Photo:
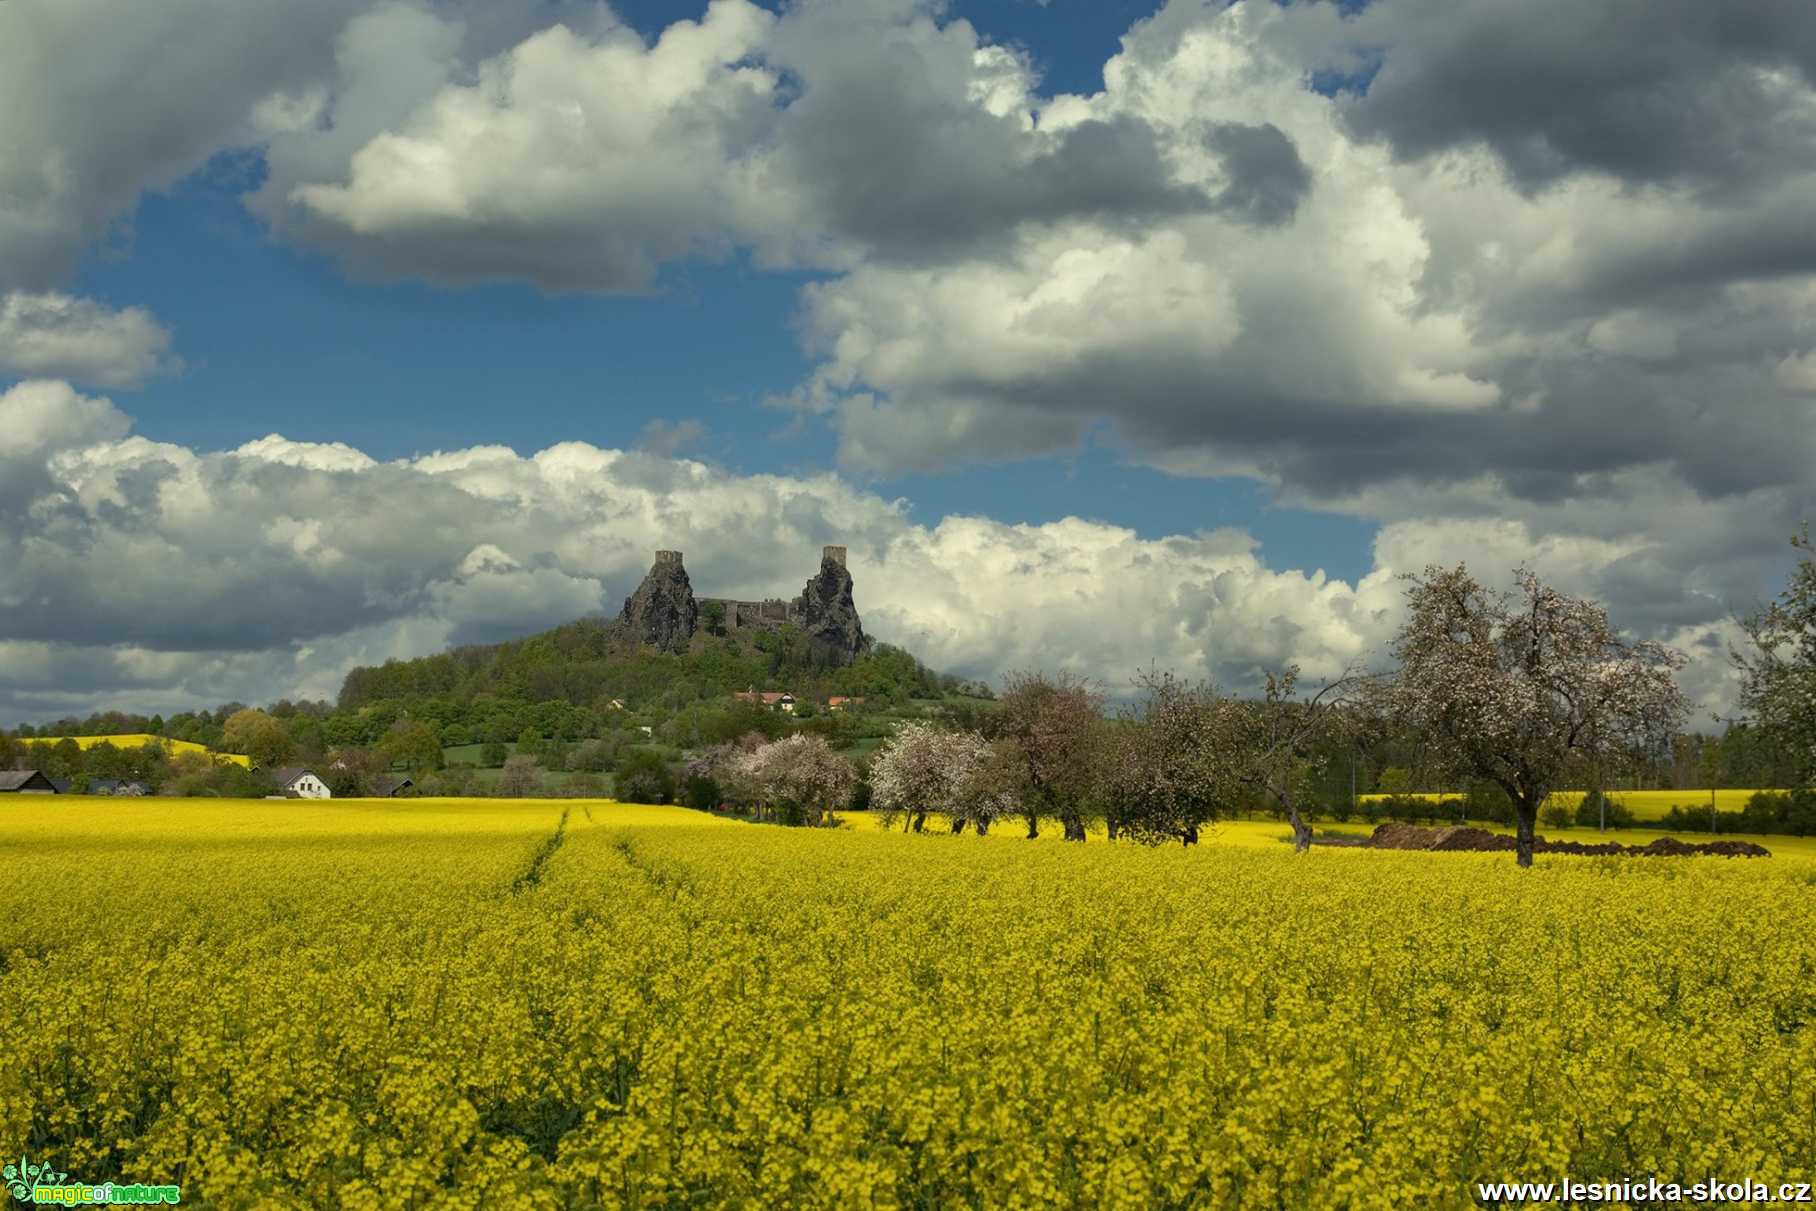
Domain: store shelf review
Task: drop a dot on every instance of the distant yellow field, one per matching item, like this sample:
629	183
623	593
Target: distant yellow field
459	1002
1645	805
140	740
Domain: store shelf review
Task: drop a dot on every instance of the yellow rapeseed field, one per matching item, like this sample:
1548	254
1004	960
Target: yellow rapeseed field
140	740
446	1003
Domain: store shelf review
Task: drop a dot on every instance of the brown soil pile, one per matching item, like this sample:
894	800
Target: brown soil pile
1671	847
1402	836
1462	839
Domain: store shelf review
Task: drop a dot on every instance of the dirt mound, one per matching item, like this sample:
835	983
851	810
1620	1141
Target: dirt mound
1585	848
1463	839
1402	836
1673	848
1459	838
1736	849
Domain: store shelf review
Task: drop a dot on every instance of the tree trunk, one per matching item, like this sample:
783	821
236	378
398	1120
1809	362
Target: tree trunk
1033	828
1189	836
1527	816
920	821
1113	827
1075	828
983	826
958	825
1302	832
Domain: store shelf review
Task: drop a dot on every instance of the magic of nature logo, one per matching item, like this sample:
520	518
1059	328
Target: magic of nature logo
37	1182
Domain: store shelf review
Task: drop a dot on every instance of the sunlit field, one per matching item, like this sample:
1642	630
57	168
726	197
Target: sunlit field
140	740
575	1003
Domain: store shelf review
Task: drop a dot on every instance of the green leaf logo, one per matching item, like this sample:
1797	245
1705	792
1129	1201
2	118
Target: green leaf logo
25	1177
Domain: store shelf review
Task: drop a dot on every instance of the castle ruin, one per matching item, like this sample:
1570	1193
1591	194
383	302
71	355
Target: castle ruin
664	613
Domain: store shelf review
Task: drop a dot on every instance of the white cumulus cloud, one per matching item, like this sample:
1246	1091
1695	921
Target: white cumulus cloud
57	336
141	572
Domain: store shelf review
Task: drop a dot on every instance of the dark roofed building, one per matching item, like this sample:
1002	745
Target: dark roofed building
116	786
25	782
389	786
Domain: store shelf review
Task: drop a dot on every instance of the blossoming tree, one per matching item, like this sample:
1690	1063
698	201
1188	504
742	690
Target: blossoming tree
923	769
1778	686
1512	686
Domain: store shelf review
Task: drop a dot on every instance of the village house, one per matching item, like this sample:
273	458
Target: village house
295	782
120	787
783	702
25	782
839	702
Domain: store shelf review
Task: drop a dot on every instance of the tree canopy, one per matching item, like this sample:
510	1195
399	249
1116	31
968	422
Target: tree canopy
1510	688
1778	686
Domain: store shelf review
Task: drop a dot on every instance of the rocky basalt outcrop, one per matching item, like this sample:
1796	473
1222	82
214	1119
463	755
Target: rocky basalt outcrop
662	612
826	612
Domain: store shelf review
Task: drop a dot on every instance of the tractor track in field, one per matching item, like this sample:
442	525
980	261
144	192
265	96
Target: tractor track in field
531	875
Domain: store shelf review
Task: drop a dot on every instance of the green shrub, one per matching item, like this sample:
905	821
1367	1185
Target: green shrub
1410	809
1692	818
1557	815
1589	813
1489	804
644	776
701	791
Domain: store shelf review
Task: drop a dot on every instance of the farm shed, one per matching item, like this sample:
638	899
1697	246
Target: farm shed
25	782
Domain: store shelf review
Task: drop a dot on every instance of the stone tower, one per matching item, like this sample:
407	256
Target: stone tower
662	611
826	612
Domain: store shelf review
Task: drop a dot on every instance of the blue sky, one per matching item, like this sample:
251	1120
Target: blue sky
276	338
341	331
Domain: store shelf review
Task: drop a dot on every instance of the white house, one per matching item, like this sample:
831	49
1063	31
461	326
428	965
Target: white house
774	701
295	782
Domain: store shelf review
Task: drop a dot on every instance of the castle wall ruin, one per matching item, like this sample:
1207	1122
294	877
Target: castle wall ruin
768	614
664	612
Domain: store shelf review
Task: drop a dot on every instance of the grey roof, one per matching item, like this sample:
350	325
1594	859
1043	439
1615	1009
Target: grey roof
18	779
386	785
285	775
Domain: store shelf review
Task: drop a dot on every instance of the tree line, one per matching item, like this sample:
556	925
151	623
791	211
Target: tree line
1521	693
1505	697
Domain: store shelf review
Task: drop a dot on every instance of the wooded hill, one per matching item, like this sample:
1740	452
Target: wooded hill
590	664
